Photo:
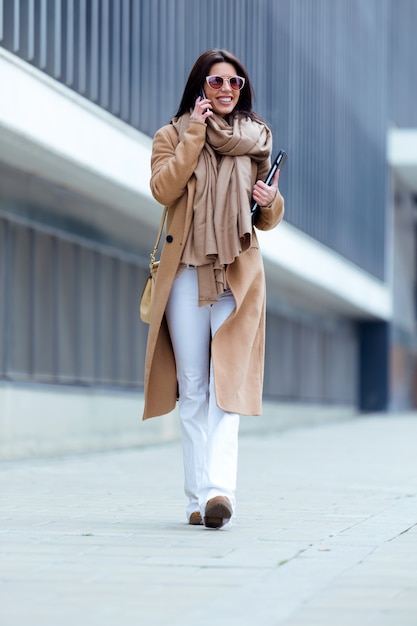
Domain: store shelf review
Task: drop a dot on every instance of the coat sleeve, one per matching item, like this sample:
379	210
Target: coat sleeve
173	162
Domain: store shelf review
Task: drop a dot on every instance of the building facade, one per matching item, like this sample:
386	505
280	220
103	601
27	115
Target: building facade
86	83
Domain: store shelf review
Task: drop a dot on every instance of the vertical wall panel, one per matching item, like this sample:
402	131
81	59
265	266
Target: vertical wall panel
57	26
7	18
19	303
135	51
4	274
44	310
81	47
122	326
125	60
137	333
43	36
68	332
68	312
115	58
94	50
104	54
69	44
87	319
31	30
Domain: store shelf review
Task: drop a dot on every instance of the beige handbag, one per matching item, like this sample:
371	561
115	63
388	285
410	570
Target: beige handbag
146	301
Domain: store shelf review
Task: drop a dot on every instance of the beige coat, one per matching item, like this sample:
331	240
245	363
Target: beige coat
238	345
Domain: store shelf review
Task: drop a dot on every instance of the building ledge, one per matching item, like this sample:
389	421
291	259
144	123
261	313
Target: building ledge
300	268
48	130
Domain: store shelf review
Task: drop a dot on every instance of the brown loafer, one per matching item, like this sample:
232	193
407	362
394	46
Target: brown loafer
218	512
195	519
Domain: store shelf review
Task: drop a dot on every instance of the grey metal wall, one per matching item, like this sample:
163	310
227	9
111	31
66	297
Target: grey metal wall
310	359
328	74
68	308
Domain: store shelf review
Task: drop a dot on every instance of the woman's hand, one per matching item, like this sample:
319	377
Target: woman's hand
202	110
265	194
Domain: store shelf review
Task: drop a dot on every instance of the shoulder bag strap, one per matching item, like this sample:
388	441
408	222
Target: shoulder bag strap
158	237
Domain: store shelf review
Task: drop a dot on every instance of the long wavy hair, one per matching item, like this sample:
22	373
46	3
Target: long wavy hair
197	80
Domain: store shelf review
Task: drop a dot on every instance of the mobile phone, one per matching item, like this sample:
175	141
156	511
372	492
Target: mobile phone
203	95
277	164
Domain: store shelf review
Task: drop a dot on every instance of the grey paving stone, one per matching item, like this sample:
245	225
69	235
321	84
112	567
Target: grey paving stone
325	535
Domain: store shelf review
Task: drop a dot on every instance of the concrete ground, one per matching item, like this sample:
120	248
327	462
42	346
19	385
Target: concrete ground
325	535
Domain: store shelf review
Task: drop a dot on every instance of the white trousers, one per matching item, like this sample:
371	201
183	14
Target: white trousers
210	435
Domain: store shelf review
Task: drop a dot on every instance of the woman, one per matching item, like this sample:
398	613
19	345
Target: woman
206	337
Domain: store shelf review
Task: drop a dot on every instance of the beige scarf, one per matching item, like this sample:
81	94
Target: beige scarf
222	228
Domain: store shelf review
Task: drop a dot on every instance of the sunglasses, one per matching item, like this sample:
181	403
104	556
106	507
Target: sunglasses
217	82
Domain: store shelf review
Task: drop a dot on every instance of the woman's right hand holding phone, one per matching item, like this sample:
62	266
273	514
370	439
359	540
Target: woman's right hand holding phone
201	110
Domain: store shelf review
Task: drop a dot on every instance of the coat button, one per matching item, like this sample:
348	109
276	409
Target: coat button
169	238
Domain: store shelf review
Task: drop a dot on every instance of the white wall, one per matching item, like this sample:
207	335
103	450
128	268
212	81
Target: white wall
38	420
42	420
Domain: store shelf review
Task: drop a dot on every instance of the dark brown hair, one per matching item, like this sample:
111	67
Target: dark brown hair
197	78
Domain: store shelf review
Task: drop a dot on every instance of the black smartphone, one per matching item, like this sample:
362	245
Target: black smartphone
203	96
277	164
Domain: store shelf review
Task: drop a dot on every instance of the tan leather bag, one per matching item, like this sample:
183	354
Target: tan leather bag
148	293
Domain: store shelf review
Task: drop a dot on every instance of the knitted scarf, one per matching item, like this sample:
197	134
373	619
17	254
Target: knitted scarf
221	227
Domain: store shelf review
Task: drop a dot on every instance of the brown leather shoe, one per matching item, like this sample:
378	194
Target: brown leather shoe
218	512
195	519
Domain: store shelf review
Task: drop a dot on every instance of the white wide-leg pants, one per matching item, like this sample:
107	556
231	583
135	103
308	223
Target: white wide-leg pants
210	435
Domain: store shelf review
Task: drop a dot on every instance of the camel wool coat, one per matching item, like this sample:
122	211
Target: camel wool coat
238	345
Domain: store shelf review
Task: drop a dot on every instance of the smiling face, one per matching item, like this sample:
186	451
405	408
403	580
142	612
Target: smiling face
225	99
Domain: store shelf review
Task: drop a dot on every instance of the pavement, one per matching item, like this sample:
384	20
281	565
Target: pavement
325	534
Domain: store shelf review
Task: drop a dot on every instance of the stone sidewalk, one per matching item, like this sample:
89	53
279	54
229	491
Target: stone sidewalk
325	535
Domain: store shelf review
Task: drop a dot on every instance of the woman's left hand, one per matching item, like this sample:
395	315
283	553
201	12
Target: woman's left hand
265	194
